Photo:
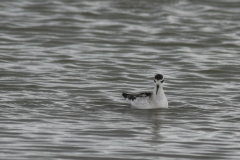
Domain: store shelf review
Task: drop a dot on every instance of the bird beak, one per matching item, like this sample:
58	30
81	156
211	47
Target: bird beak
157	89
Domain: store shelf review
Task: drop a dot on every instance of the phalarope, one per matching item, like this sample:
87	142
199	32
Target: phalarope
149	100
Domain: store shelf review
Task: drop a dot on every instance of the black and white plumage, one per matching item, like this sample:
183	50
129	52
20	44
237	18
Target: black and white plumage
149	100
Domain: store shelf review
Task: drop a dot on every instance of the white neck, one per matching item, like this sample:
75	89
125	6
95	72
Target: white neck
160	98
160	92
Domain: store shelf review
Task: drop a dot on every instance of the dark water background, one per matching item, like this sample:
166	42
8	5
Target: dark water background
64	64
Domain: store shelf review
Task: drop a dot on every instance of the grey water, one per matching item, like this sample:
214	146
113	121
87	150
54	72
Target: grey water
65	63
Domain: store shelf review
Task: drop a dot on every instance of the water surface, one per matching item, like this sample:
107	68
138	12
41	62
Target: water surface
64	65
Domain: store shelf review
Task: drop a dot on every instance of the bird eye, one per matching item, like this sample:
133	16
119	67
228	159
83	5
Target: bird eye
162	81
154	80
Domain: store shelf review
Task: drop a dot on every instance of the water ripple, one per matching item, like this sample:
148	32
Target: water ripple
64	65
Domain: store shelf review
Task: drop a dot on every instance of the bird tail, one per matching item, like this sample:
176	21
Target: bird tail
125	95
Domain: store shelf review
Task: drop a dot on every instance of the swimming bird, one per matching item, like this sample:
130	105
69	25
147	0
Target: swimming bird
149	100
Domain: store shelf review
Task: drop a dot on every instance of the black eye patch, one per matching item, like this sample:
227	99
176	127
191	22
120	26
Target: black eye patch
162	81
154	80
